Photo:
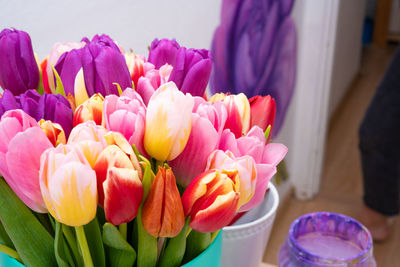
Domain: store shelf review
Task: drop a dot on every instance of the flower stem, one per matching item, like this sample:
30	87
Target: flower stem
80	233
10	252
123	229
71	242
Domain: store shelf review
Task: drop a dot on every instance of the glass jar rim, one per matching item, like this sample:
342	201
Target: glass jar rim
309	256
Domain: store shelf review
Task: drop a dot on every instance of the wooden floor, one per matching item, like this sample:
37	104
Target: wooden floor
341	189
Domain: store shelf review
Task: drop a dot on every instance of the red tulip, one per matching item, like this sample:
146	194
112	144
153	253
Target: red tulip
263	110
211	200
162	213
118	183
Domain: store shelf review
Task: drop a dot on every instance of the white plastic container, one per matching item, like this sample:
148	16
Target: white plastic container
245	241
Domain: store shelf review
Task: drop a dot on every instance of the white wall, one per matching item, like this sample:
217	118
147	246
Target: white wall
347	49
133	23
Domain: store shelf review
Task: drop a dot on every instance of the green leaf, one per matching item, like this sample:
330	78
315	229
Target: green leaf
267	133
59	85
95	242
119	252
147	245
148	178
4	238
173	254
33	243
196	243
63	256
40	88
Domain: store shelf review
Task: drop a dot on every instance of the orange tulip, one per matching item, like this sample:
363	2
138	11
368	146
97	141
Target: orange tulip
162	213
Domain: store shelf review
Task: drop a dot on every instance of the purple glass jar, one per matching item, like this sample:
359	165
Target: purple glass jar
327	239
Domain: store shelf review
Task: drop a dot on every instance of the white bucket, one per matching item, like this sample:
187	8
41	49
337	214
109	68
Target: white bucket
245	241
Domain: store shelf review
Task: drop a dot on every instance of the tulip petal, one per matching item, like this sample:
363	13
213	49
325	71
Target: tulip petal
24	166
123	194
274	153
217	215
73	194
193	159
264	175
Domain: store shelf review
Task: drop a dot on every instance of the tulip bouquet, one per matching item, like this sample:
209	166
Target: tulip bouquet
112	159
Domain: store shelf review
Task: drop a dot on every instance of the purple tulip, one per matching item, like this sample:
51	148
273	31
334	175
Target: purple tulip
55	108
254	51
191	67
18	68
163	51
102	63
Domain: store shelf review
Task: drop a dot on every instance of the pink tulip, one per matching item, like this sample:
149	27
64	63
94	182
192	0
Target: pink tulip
152	80
208	121
266	155
246	168
88	131
21	144
126	114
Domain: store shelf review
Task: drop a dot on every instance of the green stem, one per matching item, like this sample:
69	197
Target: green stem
69	236
80	233
123	229
10	252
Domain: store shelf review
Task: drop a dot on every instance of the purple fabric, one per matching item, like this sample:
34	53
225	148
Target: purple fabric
191	67
18	68
55	108
95	58
254	51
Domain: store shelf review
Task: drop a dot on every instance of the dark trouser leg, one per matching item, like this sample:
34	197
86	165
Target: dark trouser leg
380	144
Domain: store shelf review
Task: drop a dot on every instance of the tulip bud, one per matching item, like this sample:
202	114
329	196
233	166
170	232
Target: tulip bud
162	213
245	167
263	110
19	70
53	131
22	143
211	200
54	55
238	108
118	184
135	66
68	185
168	122
91	109
126	114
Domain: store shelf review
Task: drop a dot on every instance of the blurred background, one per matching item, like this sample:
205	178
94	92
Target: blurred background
343	48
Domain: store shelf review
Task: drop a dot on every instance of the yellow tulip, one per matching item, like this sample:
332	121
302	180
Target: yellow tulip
68	185
168	122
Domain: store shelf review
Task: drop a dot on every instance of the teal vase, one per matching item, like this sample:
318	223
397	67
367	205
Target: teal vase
211	257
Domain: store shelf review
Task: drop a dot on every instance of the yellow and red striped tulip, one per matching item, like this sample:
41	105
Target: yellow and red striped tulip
238	108
212	199
68	185
168	122
162	213
53	131
245	166
91	109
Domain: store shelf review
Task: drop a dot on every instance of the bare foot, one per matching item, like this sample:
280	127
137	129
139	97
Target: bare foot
377	223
